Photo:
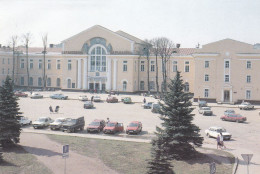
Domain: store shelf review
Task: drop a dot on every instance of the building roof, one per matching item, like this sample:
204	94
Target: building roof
130	37
185	51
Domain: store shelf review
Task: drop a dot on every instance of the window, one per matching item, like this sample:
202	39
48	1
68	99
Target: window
58	82
142	66
187	66
175	66
206	64
206	77
186	87
31	81
31	64
49	64
98	59
48	81
248	64
227	64
8	72
3	71
248	79
58	64
3	61
40	64
124	86
125	66
206	93
22	64
226	78
39	81
151	85
8	61
22	81
69	65
248	94
152	66
69	83
142	85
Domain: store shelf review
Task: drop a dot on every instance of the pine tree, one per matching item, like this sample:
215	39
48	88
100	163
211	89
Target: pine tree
9	110
179	134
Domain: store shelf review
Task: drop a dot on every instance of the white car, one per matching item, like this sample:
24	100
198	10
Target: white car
97	98
36	96
24	120
83	98
214	131
245	105
57	123
205	111
42	122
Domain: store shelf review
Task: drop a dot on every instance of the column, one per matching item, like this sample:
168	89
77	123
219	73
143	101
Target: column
100	85
115	75
85	84
79	74
108	84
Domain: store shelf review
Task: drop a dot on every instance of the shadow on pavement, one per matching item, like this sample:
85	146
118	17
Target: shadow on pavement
41	151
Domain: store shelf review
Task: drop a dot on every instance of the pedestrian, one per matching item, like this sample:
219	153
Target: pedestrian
57	109
218	142
222	140
144	100
108	120
92	98
51	110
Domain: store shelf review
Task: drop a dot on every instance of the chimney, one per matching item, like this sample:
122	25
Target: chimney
51	45
178	45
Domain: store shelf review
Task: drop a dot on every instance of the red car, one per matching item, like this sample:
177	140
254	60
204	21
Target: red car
113	127
20	94
112	100
233	117
134	127
96	126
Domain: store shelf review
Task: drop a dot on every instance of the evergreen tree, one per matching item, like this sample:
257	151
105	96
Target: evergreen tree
9	110
179	134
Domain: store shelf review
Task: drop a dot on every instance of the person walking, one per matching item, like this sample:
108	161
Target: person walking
144	100
51	110
57	109
218	142
222	140
92	98
108	120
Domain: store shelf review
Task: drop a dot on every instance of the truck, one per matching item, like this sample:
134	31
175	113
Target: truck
72	125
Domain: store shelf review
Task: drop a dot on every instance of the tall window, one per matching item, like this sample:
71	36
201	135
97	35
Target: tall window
31	81
124	86
8	61
69	64
152	66
186	87
248	64
142	85
151	85
142	66
248	79
248	94
227	64
98	59
39	81
206	64
49	64
3	70
48	81
58	82
40	64
22	81
124	65
22	64
69	83
187	66
31	64
8	72
206	77
58	64
175	66
226	78
3	61
206	93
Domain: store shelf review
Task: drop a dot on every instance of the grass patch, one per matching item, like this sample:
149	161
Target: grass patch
17	160
131	157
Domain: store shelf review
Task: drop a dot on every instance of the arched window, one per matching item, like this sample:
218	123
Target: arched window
69	83
58	82
186	87
124	86
31	81
39	81
98	59
48	81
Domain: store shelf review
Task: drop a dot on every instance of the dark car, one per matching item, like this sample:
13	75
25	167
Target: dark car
148	105
112	100
233	117
134	127
88	105
72	125
202	103
96	126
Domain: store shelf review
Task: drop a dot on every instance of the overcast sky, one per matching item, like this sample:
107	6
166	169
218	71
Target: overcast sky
183	21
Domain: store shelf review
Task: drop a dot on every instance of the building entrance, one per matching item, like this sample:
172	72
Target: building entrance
226	96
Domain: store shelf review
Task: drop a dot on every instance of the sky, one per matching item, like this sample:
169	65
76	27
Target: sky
187	22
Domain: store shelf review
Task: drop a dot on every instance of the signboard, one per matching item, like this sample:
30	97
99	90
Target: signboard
65	151
247	158
212	167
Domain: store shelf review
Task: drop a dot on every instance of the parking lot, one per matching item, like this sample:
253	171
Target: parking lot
245	136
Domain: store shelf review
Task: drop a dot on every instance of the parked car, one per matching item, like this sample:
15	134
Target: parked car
24	120
88	105
156	108
203	103
97	98
233	117
134	127
205	111
147	105
127	100
83	98
42	122
96	126
214	131
57	123
229	111
113	127
20	94
122	99
245	106
59	96
72	125
112	99
36	96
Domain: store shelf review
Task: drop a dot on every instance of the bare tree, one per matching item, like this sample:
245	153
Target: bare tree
45	42
14	44
26	39
155	51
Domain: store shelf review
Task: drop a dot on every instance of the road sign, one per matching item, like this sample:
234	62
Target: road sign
65	151
247	158
212	167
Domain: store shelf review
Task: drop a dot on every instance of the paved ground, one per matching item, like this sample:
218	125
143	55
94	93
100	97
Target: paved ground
245	137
